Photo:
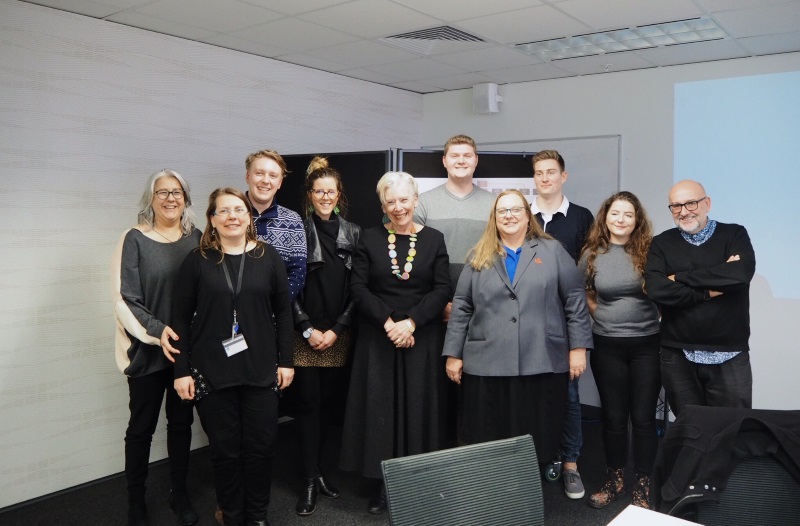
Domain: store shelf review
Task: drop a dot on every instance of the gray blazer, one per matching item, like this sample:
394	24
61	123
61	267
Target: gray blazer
523	328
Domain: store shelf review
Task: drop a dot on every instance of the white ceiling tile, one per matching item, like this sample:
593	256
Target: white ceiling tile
458	81
527	73
416	87
613	14
526	25
694	52
222	16
362	53
150	23
312	62
82	7
597	63
783	18
769	44
492	58
247	46
420	68
371	18
461	9
730	5
371	76
294	7
294	34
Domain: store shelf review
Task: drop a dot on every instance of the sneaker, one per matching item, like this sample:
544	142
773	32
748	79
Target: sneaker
573	485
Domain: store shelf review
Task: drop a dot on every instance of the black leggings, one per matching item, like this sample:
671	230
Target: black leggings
628	377
314	389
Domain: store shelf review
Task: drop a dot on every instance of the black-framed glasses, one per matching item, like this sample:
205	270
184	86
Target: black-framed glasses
319	194
164	194
239	211
690	206
515	211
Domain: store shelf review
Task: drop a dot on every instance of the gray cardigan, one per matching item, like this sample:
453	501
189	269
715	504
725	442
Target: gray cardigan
523	328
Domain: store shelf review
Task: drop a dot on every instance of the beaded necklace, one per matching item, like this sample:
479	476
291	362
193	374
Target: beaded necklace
412	251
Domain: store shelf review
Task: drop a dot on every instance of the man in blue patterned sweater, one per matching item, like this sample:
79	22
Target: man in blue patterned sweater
276	225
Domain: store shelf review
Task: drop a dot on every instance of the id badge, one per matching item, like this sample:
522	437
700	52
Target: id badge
234	345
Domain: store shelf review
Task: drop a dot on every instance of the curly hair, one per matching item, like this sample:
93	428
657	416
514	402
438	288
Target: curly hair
599	238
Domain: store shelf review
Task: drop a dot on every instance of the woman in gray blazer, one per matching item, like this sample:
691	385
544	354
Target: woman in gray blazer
518	330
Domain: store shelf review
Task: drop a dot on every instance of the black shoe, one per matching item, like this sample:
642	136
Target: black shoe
180	505
326	489
378	502
137	514
307	500
265	522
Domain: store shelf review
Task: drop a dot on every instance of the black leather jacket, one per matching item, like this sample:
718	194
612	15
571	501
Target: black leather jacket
346	243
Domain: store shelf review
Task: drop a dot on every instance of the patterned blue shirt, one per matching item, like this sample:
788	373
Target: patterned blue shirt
697	355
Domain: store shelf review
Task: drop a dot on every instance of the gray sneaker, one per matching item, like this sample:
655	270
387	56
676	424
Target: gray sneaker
573	485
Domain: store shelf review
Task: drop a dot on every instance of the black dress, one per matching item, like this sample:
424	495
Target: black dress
394	404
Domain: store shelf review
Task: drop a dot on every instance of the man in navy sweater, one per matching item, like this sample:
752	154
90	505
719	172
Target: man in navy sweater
568	223
699	273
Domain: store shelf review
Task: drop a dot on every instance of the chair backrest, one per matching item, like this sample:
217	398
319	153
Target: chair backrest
759	492
493	483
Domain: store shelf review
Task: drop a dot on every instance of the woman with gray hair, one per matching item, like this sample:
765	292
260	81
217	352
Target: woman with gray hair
145	264
400	283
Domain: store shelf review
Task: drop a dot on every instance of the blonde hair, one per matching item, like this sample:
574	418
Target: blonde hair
490	247
395	179
460	139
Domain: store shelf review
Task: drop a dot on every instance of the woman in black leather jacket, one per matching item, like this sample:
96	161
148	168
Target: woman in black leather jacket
322	316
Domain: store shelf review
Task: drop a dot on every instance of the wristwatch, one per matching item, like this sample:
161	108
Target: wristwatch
307	333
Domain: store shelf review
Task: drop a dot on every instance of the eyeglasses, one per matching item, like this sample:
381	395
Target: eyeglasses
239	210
690	206
516	211
164	194
319	194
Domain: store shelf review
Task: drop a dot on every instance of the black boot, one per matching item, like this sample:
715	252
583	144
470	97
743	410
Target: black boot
180	505
137	511
326	489
378	502
307	500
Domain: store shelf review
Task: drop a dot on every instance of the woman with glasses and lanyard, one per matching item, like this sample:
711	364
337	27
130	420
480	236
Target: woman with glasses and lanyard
145	264
233	320
323	314
518	330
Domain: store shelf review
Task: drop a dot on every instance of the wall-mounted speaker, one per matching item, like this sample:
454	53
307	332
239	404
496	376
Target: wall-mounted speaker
485	98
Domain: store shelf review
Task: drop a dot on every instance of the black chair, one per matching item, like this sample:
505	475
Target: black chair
493	483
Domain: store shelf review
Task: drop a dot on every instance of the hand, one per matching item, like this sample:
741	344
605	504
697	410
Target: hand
407	344
285	377
714	294
734	257
166	346
577	362
185	387
315	339
454	368
446	312
327	340
401	332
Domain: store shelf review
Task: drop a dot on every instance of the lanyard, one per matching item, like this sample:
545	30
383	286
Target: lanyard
238	287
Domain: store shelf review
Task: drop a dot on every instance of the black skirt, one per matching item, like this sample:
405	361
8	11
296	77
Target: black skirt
498	407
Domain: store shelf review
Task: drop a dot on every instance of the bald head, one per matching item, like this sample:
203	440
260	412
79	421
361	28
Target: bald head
689	205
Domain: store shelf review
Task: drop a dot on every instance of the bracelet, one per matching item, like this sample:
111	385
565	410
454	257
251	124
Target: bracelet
410	326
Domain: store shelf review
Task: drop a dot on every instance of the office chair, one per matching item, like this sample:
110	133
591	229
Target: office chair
493	483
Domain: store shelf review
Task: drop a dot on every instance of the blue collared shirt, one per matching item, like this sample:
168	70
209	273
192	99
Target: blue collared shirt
512	259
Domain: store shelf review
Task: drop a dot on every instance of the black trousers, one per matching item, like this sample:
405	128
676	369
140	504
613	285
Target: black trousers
146	395
242	424
314	388
628	378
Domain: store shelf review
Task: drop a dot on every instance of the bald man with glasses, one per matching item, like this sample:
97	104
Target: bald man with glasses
699	274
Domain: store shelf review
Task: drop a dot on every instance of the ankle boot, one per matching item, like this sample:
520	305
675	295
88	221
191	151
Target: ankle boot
613	488
326	489
641	492
379	502
137	511
307	500
180	505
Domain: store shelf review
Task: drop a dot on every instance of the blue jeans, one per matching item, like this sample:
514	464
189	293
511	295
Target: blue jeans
572	435
728	384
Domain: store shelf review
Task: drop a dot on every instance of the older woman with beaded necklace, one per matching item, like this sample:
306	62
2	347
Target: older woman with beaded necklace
400	283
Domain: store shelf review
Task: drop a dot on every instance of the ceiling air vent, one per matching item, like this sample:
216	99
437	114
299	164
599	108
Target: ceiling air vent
435	40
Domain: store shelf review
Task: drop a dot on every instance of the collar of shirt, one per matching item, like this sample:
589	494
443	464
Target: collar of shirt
701	237
512	258
548	217
269	213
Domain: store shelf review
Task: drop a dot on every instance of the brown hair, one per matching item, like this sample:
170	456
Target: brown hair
549	154
210	240
269	154
319	168
460	139
599	238
489	247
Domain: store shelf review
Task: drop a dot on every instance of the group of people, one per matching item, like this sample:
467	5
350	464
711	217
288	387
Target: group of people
466	317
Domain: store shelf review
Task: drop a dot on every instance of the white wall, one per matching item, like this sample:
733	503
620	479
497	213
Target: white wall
638	105
88	110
